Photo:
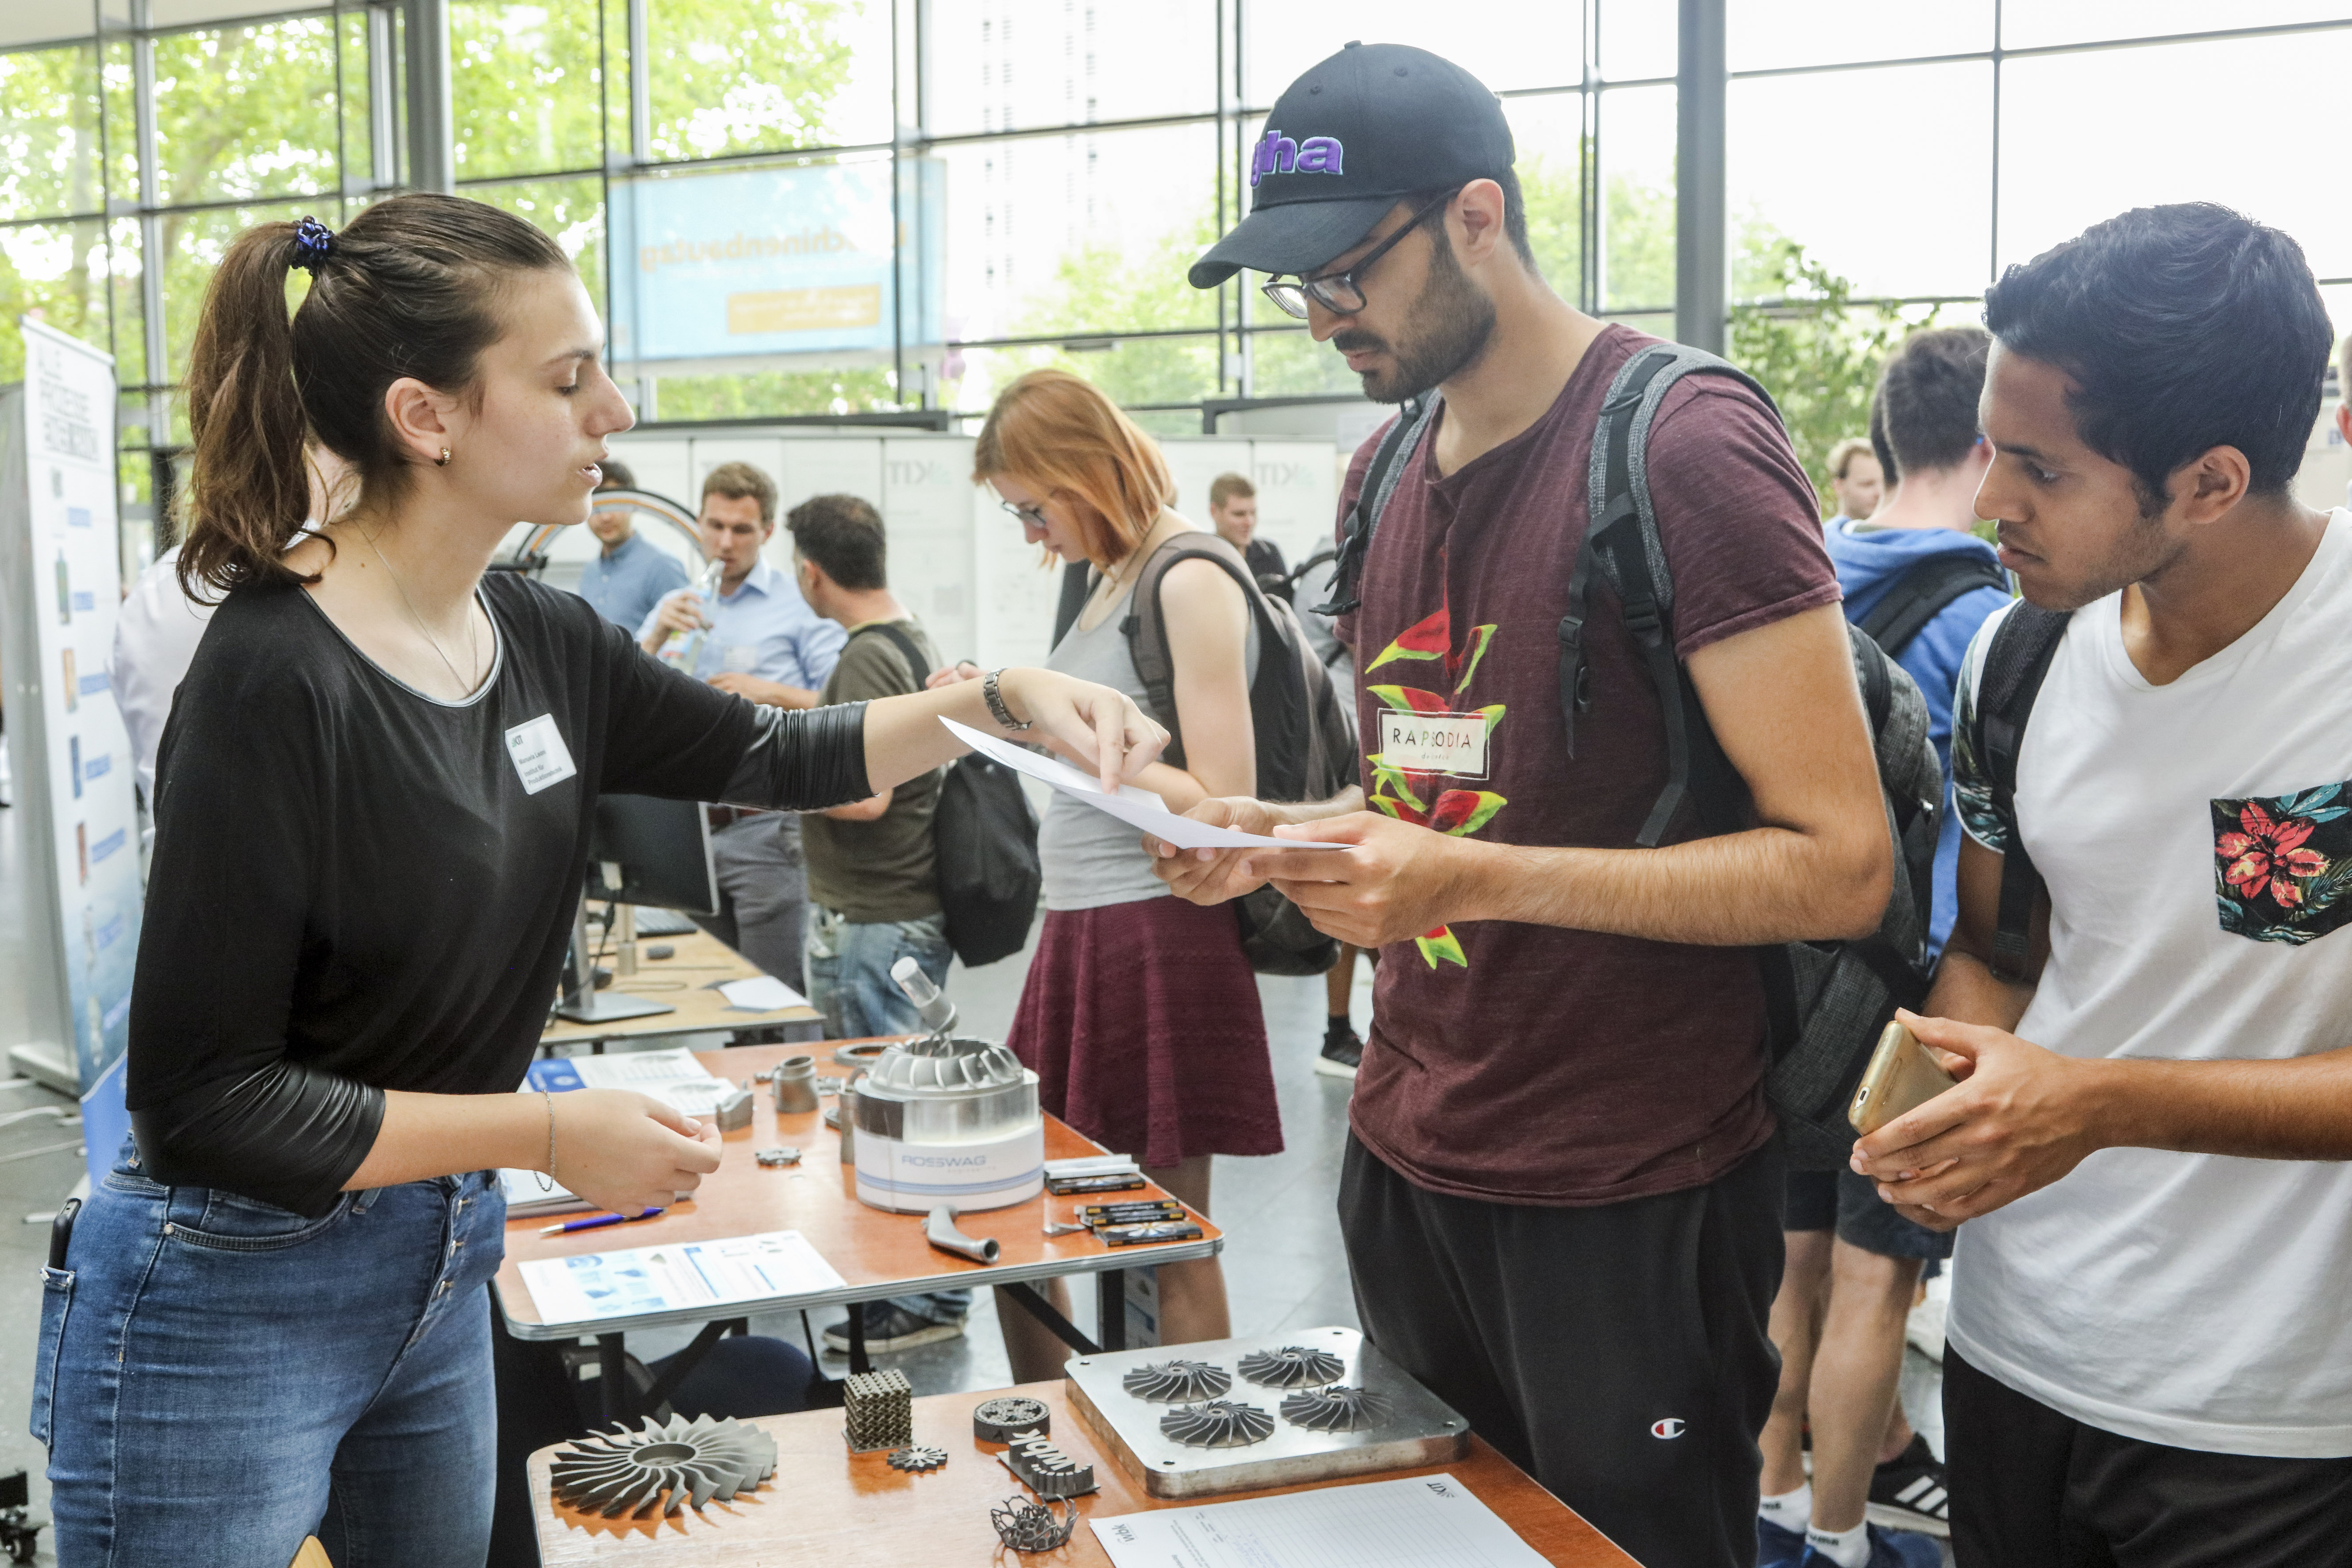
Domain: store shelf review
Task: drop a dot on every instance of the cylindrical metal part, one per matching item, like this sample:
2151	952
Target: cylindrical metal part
795	1082
940	1231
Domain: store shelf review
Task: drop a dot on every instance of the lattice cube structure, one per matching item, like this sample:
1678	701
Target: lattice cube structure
880	1410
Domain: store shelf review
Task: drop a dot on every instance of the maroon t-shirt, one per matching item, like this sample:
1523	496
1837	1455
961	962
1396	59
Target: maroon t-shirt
1526	1063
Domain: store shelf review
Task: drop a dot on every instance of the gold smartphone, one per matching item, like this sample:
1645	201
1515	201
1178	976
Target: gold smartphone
1901	1076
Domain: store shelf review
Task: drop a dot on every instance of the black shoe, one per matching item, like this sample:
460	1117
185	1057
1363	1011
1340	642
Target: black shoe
1343	1053
889	1328
1907	1492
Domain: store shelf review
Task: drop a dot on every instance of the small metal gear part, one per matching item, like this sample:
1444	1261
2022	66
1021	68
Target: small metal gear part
1001	1419
918	1458
783	1154
1292	1366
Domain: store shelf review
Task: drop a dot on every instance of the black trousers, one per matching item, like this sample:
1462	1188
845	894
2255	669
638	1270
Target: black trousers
2034	1489
1619	1354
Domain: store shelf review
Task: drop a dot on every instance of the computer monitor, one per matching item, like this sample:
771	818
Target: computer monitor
648	851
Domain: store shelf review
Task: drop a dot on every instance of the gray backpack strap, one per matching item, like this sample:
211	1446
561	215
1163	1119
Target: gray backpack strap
1621	537
1387	468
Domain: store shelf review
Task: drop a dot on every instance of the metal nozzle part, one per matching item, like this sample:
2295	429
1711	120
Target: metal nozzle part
795	1086
940	1231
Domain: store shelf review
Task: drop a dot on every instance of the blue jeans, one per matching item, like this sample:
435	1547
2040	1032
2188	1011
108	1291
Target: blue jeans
217	1378
849	982
849	970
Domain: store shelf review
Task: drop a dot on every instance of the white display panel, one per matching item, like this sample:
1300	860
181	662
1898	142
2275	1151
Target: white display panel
926	505
1297	494
59	539
1195	465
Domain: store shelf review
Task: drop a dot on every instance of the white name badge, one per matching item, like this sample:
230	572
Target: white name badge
540	757
1452	743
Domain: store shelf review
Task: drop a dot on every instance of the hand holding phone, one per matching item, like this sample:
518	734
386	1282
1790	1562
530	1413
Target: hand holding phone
1902	1076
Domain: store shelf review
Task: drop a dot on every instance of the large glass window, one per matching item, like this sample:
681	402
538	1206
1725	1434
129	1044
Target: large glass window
1002	64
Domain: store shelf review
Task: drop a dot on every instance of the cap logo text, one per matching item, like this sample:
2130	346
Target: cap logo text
1278	154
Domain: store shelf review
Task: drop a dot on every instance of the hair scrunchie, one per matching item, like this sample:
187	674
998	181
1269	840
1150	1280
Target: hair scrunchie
314	243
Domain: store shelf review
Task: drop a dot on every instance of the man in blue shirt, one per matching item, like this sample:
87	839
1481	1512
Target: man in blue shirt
762	641
628	579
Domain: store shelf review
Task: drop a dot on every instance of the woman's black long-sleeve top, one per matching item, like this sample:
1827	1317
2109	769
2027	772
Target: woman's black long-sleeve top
359	888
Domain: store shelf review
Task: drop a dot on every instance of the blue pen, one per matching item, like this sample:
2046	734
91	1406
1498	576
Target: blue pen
595	1221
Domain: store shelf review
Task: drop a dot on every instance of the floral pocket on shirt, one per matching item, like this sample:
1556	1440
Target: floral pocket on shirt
2282	865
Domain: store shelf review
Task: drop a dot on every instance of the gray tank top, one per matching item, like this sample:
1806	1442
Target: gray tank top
1090	858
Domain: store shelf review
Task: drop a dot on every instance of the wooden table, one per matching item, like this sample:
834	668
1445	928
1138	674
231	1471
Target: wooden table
683	981
825	1505
877	1255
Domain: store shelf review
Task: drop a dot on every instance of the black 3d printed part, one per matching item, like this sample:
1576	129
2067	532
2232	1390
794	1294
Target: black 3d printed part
1292	1366
1219	1424
1045	1469
918	1458
1337	1408
689	1462
1001	1419
1177	1382
1027	1526
880	1411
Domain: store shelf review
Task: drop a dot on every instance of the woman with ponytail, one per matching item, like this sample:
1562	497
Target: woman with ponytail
373	809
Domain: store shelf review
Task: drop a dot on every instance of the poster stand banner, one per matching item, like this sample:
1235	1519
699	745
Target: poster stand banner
60	589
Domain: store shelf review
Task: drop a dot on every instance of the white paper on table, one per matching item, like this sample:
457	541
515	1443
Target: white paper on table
1136	807
674	1076
595	1286
761	993
1421	1522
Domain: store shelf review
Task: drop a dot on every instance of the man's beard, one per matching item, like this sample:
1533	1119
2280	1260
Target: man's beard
1456	321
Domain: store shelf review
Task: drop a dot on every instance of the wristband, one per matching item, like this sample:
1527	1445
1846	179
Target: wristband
995	700
547	1181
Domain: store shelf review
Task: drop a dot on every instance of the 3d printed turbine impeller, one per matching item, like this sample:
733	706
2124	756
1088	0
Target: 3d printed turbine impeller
1177	1382
618	1472
1335	1409
1219	1424
1292	1366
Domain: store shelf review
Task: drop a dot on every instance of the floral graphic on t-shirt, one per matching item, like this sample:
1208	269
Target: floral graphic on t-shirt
2280	868
1416	798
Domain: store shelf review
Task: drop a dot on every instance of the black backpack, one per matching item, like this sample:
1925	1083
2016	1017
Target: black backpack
984	847
1825	1002
2015	663
1305	735
1925	590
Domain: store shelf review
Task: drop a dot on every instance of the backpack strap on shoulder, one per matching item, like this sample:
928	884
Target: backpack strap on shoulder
907	646
1145	628
1387	468
2015	664
1924	592
1621	538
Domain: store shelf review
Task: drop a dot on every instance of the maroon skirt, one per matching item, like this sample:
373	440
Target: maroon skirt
1142	1024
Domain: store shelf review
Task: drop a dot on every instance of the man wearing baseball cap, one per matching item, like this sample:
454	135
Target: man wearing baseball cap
1561	1200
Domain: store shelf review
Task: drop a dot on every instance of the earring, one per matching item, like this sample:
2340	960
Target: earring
443	460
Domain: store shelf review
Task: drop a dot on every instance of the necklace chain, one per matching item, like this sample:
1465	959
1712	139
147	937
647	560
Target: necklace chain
473	644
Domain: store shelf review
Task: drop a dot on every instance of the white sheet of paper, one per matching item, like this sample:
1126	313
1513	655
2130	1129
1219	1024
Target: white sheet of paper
1421	1522
761	993
595	1286
1136	807
672	1075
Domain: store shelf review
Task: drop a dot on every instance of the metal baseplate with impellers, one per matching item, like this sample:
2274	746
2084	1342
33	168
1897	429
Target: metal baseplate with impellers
1027	1526
1009	1415
1044	1469
918	1458
688	1462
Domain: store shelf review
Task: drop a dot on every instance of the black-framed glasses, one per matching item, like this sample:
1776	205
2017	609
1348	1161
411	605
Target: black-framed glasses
1034	516
1342	293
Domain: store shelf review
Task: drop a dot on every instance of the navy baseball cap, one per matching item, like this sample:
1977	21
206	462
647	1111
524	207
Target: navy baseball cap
1372	124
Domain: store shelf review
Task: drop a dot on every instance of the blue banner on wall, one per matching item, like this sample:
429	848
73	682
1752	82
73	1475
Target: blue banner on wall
776	262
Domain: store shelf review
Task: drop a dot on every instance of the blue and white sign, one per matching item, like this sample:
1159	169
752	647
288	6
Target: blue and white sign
778	263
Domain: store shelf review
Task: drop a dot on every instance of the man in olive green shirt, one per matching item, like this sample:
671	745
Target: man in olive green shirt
873	899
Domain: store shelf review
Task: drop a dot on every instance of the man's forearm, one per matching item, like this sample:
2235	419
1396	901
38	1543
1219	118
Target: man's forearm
1766	885
2295	1110
1965	989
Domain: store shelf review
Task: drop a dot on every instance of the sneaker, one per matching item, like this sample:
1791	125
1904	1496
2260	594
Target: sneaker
1888	1549
1343	1053
1776	1547
889	1328
1907	1492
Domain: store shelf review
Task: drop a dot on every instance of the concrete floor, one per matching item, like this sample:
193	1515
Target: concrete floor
1284	1266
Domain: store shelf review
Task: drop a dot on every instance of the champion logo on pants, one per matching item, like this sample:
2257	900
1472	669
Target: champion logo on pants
1672	1427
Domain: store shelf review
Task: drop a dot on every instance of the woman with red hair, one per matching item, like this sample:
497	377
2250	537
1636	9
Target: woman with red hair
1139	1015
